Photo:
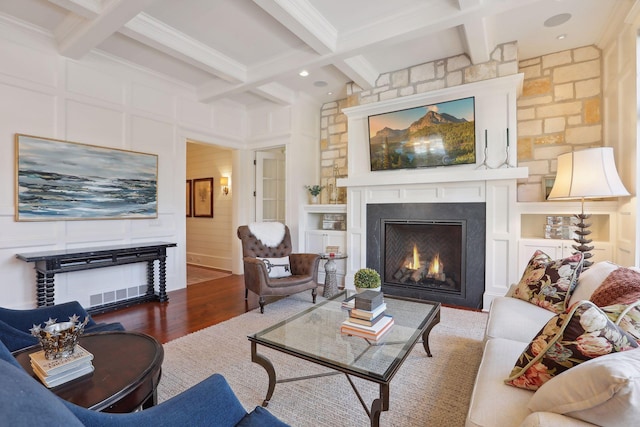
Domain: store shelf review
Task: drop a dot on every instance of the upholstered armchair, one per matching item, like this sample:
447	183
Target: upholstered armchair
15	324
272	270
212	402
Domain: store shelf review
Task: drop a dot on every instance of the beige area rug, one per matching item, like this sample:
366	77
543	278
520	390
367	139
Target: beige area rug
200	274
426	391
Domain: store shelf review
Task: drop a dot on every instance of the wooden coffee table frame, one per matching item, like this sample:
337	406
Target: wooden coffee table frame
126	376
381	403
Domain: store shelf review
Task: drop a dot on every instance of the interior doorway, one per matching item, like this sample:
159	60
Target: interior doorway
207	236
271	185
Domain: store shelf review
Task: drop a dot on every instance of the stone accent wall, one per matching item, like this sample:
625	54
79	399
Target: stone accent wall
560	108
421	78
559	111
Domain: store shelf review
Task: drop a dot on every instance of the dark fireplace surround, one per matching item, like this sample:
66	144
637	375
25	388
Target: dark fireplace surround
469	222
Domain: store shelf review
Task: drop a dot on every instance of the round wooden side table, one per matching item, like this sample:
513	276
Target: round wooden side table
127	371
330	278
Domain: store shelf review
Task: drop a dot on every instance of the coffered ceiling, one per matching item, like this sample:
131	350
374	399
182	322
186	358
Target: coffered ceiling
251	51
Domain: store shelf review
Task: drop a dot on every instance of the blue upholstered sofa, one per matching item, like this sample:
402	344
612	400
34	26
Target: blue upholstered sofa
26	402
15	324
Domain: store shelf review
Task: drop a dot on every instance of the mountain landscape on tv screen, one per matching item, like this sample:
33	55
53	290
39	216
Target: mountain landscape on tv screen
435	139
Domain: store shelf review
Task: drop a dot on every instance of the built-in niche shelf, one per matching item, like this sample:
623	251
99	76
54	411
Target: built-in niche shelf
321	227
533	218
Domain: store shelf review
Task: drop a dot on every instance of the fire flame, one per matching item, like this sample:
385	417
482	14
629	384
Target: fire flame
415	264
436	266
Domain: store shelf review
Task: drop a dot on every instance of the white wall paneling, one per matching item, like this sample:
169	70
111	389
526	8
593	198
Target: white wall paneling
103	102
620	106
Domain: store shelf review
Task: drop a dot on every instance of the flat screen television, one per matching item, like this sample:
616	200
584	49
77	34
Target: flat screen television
441	134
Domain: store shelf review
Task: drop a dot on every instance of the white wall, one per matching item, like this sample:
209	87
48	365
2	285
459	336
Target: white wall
297	128
620	99
102	102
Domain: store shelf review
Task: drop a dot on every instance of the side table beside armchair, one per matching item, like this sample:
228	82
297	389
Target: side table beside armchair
26	402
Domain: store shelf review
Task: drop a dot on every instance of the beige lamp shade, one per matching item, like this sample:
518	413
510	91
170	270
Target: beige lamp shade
587	174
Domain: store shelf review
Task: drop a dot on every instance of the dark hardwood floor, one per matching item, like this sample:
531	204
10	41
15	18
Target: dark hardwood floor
196	307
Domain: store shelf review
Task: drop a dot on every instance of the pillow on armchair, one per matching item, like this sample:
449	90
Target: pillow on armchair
277	267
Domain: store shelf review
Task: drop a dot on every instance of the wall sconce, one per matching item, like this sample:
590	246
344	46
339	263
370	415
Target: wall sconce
224	183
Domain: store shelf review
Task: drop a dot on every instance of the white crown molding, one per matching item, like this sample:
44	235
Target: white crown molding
476	40
154	33
87	9
90	33
359	70
303	20
277	93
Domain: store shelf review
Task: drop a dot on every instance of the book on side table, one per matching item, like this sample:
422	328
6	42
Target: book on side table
55	372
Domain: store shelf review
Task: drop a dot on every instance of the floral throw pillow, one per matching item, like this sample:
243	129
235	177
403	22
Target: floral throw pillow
582	333
548	283
627	317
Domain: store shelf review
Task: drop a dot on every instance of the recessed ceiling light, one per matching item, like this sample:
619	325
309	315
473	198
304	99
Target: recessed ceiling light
556	20
320	83
562	37
329	93
303	73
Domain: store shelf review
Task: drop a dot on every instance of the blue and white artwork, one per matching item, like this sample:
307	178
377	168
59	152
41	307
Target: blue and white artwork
60	180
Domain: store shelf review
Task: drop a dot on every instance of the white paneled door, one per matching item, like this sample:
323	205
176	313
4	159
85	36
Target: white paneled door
270	185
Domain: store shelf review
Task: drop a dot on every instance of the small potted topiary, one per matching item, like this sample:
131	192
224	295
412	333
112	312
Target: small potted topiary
314	191
366	278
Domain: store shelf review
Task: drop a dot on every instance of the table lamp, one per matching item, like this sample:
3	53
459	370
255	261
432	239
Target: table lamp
586	174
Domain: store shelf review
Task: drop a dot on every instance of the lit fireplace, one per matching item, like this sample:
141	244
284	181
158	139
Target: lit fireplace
423	250
417	271
424	254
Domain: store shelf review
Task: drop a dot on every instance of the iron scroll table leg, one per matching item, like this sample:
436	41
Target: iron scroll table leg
268	366
380	404
425	334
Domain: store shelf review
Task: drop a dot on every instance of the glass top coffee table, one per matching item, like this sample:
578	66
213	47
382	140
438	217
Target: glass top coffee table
314	335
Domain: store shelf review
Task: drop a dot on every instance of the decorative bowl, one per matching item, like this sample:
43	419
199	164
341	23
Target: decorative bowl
59	340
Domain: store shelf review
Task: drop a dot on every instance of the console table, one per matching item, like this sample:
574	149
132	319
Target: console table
48	263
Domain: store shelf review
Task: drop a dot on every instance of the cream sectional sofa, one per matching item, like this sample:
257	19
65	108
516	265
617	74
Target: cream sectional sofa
511	326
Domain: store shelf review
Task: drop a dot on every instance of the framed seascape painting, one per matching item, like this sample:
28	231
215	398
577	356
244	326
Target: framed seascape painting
62	180
441	134
203	197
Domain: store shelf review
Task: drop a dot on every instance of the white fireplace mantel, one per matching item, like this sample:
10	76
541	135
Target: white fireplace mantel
438	175
495	115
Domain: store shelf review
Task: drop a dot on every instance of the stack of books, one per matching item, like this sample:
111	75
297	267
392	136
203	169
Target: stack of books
56	372
367	316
